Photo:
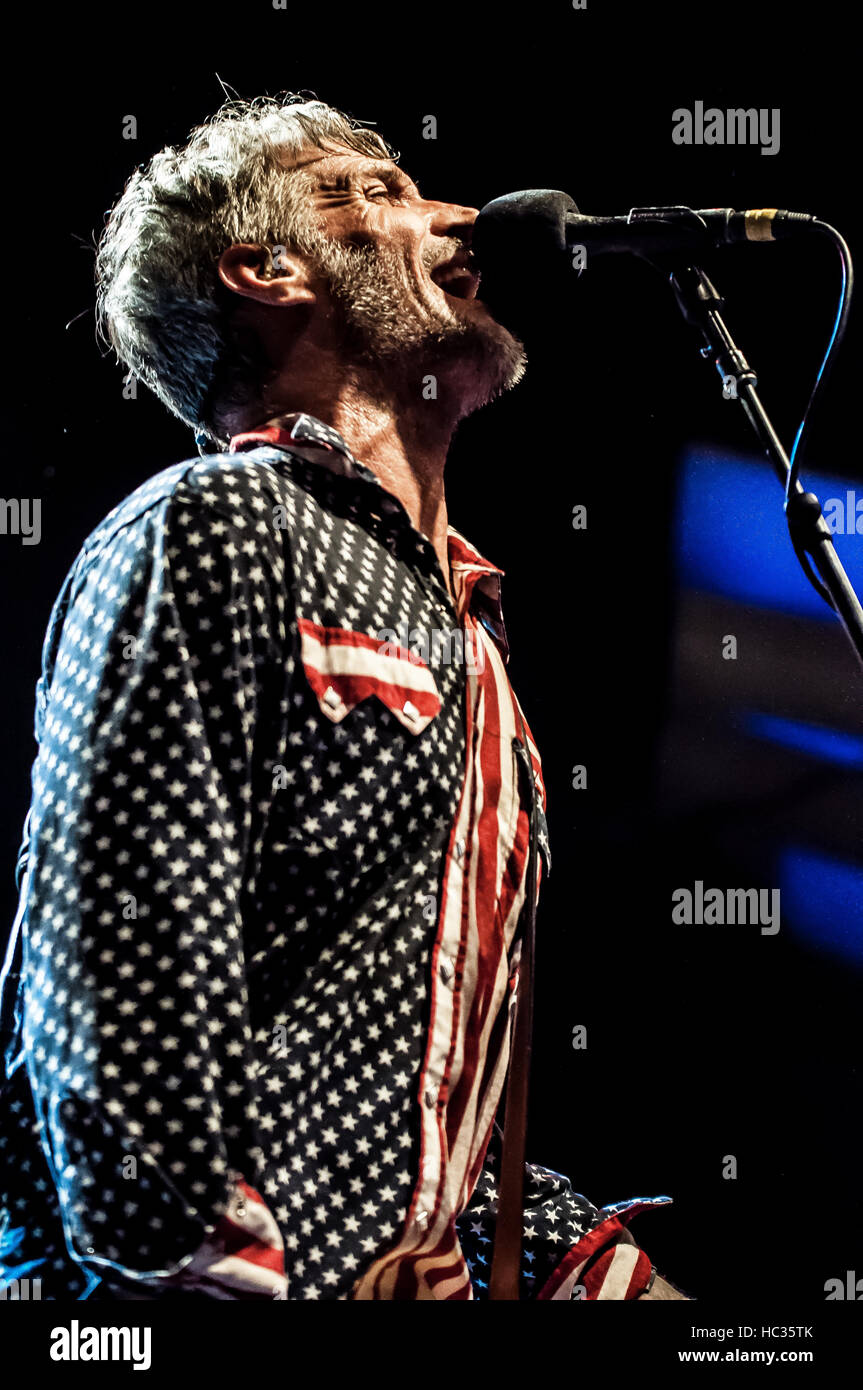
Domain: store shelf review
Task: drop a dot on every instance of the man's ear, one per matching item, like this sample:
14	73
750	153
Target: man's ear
270	274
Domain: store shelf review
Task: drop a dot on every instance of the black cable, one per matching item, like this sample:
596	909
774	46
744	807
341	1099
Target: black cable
792	498
836	339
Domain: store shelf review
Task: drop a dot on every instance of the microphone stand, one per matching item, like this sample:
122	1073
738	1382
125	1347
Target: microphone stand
700	304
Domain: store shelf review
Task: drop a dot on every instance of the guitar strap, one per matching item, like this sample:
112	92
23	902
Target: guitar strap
506	1260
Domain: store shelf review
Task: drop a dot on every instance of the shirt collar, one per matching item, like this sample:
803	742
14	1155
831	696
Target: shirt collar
477	586
310	438
476	582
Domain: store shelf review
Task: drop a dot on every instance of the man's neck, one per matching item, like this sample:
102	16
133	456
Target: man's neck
405	446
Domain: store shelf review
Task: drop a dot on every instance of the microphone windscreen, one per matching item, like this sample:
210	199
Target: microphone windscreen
533	220
519	242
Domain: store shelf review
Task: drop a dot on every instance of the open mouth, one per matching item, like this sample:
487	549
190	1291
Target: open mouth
456	280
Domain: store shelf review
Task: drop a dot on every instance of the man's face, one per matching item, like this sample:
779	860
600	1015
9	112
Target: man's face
398	271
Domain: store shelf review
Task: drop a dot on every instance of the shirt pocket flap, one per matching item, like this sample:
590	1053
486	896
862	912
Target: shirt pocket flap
343	667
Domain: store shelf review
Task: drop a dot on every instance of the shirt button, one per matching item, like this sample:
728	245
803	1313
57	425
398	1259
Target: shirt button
431	1097
331	699
410	711
459	850
422	1218
447	969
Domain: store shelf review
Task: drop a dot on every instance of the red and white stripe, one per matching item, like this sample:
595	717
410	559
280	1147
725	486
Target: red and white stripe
484	887
343	667
243	1258
600	1268
469	1034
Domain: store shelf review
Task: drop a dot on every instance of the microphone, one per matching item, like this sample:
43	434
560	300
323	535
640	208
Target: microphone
543	221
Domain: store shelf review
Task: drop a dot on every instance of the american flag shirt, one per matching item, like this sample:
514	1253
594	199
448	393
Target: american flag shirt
271	887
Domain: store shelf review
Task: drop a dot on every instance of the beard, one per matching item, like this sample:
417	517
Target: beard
396	336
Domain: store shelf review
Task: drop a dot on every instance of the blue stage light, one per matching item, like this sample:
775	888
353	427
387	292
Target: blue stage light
822	901
830	745
732	537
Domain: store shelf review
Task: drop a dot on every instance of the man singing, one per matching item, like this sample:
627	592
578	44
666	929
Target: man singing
257	1007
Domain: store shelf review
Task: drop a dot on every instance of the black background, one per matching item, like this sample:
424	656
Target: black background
700	1044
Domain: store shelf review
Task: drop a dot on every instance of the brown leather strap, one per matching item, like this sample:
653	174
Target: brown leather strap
506	1262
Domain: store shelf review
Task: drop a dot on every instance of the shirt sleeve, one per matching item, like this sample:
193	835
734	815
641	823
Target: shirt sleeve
571	1248
164	720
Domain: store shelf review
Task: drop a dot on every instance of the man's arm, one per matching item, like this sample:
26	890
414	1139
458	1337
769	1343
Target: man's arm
151	791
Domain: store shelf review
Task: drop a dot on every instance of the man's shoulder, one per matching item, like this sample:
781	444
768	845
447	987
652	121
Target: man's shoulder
195	516
240	489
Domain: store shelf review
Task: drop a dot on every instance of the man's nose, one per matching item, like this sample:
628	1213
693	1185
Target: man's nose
452	219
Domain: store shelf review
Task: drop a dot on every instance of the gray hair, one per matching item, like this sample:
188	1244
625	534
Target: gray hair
160	303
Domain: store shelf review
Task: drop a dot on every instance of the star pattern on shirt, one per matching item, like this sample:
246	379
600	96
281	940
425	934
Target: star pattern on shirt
556	1217
226	886
231	898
